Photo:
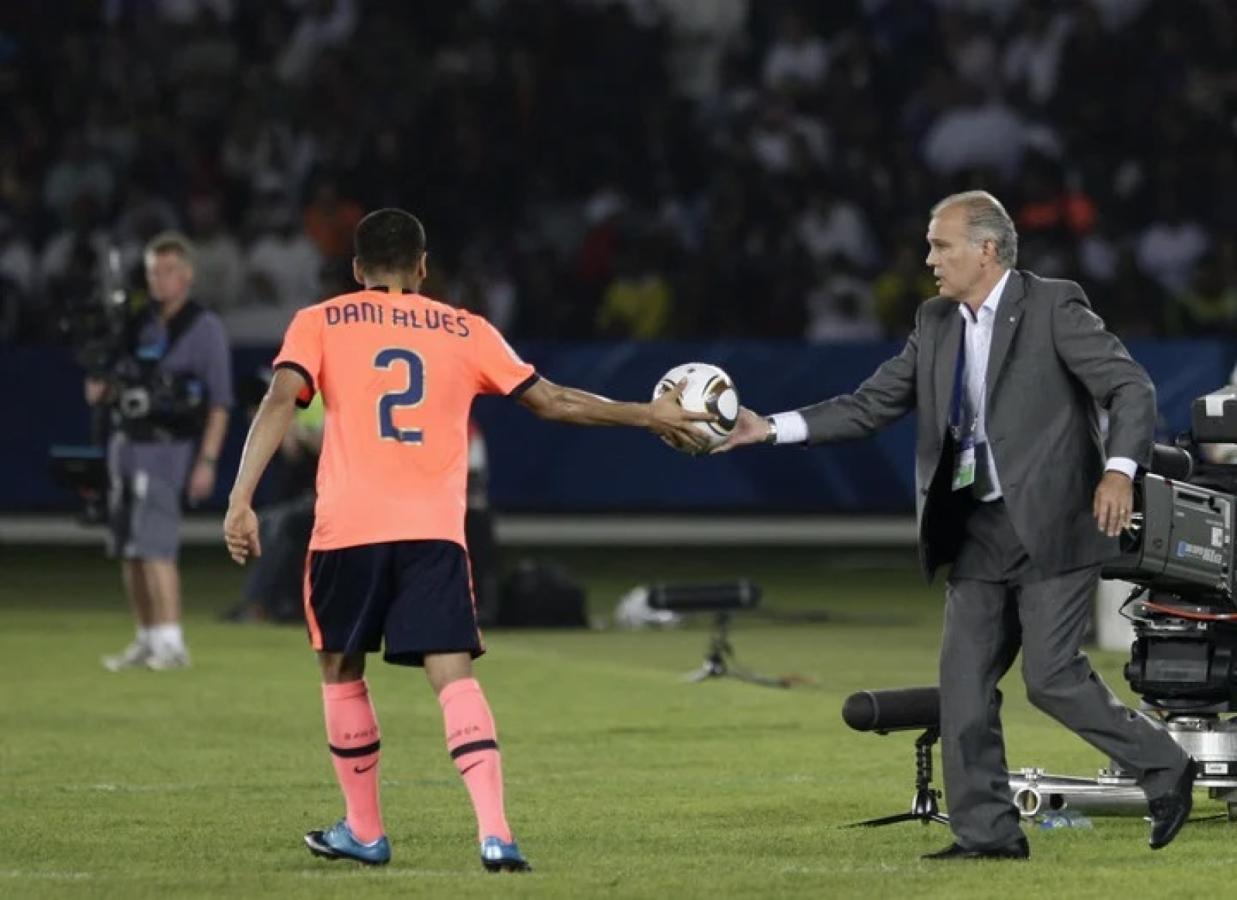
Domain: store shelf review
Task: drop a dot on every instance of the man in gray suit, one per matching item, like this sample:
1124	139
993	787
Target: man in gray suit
1007	372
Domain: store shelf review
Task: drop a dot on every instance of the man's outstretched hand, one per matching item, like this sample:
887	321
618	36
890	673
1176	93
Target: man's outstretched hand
749	428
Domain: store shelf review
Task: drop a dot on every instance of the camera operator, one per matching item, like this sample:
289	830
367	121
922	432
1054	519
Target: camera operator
151	454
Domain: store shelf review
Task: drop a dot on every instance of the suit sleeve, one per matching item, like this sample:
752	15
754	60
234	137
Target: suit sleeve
302	352
1100	361
884	398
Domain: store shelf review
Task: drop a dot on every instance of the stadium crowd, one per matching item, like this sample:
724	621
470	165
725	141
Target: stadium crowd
648	168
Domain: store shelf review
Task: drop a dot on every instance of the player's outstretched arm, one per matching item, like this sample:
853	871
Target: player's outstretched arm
240	525
665	416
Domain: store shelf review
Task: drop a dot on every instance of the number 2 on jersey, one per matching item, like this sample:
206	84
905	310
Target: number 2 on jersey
409	397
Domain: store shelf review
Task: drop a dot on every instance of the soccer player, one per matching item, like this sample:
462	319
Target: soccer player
387	562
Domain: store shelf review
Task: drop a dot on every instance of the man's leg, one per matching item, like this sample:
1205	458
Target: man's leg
354	741
346	594
979	645
162	577
133	575
1061	682
472	739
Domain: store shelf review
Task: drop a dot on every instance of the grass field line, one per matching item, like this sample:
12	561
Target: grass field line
180	787
53	875
388	873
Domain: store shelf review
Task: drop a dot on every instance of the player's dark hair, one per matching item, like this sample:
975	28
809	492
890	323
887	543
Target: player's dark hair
389	240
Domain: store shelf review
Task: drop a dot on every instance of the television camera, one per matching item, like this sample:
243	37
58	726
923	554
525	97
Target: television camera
1178	553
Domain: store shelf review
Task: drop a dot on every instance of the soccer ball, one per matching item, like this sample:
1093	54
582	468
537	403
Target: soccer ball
708	389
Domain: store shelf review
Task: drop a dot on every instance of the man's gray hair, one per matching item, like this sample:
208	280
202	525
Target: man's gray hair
986	219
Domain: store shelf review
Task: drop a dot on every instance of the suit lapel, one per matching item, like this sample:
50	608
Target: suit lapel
1006	321
945	364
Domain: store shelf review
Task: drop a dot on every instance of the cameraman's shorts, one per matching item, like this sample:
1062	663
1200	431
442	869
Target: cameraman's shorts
144	497
408	597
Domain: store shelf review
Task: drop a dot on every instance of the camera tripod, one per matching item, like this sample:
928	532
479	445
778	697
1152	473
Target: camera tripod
720	660
924	807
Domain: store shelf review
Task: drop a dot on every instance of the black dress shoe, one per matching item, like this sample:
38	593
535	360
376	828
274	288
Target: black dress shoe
1170	811
1017	850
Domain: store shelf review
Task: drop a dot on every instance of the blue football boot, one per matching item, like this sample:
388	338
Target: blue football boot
338	842
499	856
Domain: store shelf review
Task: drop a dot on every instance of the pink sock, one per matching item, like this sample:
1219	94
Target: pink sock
352	734
473	743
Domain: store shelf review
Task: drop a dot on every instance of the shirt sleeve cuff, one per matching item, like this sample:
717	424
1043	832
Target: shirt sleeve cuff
1124	465
791	428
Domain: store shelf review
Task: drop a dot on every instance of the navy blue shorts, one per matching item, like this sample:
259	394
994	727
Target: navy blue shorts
408	598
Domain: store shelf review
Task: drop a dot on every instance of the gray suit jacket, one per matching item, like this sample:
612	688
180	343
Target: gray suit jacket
1051	366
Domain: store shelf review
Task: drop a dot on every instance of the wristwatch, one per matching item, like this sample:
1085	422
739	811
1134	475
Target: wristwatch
771	437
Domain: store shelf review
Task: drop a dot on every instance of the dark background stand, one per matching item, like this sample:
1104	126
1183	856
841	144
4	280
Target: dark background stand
720	661
924	807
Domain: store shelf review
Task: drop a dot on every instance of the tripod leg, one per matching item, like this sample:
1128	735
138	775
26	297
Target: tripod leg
885	820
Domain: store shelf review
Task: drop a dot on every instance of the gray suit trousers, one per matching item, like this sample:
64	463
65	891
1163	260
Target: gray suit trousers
996	603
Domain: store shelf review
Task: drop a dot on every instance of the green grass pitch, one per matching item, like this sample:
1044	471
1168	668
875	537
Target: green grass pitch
622	780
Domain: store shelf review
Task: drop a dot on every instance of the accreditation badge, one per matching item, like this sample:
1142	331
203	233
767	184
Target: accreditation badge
964	463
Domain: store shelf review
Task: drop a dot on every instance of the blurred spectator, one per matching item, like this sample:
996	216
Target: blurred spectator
761	137
1172	244
840	306
798	60
1032	61
1208	308
834	226
330	220
283	273
486	287
638	303
143	214
898	291
17	265
218	261
1049	205
976	132
79	172
323	24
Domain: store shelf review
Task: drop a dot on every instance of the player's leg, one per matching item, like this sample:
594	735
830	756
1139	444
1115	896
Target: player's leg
472	741
345	606
433	623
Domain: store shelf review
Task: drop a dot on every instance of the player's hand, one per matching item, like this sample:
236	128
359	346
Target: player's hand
749	428
201	481
240	533
1114	503
669	420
